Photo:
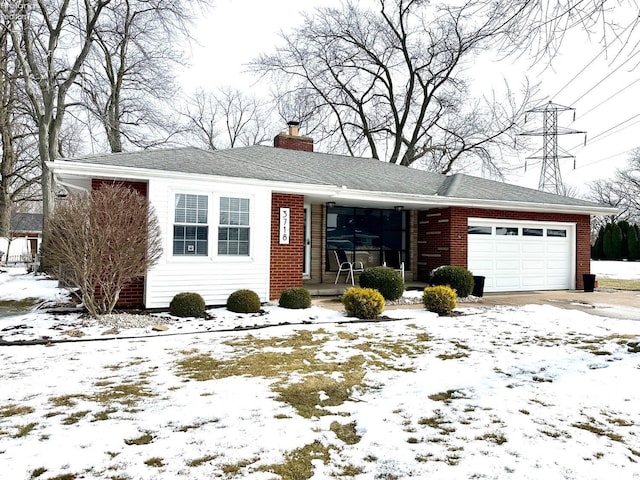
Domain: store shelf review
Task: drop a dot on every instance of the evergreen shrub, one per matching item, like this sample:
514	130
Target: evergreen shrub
458	278
295	298
363	303
243	301
439	299
386	280
187	304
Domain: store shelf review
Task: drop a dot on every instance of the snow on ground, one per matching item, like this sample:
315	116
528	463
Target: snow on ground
619	270
509	392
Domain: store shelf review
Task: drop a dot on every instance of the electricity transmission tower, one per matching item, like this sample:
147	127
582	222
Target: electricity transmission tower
550	176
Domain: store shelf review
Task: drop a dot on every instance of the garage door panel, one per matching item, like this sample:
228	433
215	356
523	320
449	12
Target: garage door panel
533	265
531	248
522	262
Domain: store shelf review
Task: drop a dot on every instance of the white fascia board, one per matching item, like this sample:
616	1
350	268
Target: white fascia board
332	192
69	170
409	200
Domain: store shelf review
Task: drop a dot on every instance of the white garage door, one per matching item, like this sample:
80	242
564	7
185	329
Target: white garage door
522	256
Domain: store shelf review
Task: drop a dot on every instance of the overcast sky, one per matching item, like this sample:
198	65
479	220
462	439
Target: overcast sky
601	87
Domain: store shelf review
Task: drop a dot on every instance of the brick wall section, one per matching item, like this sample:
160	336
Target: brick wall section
132	295
442	236
293	142
286	260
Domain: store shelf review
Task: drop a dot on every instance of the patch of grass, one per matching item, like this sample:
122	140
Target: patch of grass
103	414
305	395
234	469
590	427
154	462
497	438
64	476
447	397
297	463
452	356
347	433
23	304
37	472
75	417
24	430
620	422
199	367
370	458
12	409
195	426
618	284
143	439
281	416
125	393
66	400
348	471
412	440
437	422
196	462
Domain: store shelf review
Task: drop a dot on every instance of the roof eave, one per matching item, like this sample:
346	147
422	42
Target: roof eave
331	192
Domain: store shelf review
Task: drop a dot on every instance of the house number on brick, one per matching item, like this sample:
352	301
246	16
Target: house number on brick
285	221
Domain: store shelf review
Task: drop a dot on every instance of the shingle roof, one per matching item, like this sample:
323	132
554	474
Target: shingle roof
26	222
294	166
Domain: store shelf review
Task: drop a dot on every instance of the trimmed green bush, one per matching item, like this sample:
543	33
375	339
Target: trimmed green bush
187	304
458	278
243	301
439	299
295	298
384	279
363	303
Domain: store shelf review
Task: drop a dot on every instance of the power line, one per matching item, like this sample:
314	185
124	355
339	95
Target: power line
608	98
603	50
588	91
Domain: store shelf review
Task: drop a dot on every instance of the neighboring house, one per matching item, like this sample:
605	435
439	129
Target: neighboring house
267	218
26	236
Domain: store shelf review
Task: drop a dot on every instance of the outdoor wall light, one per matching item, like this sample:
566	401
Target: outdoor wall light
331	204
398	208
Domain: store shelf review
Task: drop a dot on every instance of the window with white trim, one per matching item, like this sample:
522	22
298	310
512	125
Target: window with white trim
233	229
190	228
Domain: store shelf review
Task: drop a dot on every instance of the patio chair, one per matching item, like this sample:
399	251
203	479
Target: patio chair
344	265
393	259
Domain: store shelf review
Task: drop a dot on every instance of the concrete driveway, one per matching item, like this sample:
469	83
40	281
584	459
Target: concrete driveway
606	303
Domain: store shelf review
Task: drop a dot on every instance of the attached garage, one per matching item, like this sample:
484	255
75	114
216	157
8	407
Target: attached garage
522	256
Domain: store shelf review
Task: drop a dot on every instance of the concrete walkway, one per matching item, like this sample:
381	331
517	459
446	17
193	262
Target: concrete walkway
623	304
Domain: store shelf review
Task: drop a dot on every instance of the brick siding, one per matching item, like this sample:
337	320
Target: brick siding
442	236
132	295
286	259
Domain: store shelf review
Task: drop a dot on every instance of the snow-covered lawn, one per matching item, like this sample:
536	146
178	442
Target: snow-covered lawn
510	392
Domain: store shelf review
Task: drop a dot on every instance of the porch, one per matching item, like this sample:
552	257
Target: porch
328	288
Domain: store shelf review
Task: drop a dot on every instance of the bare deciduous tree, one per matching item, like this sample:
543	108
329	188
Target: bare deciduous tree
19	170
100	241
128	83
539	27
227	118
392	82
51	40
622	191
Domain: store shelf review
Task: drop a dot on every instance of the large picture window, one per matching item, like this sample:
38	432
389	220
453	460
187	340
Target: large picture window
368	235
233	229
190	229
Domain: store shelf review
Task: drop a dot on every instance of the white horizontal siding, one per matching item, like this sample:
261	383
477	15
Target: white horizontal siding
212	276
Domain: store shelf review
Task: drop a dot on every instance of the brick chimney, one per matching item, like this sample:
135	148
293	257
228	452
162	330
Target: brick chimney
292	140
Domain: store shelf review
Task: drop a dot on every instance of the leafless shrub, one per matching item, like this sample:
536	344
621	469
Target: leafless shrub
99	241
